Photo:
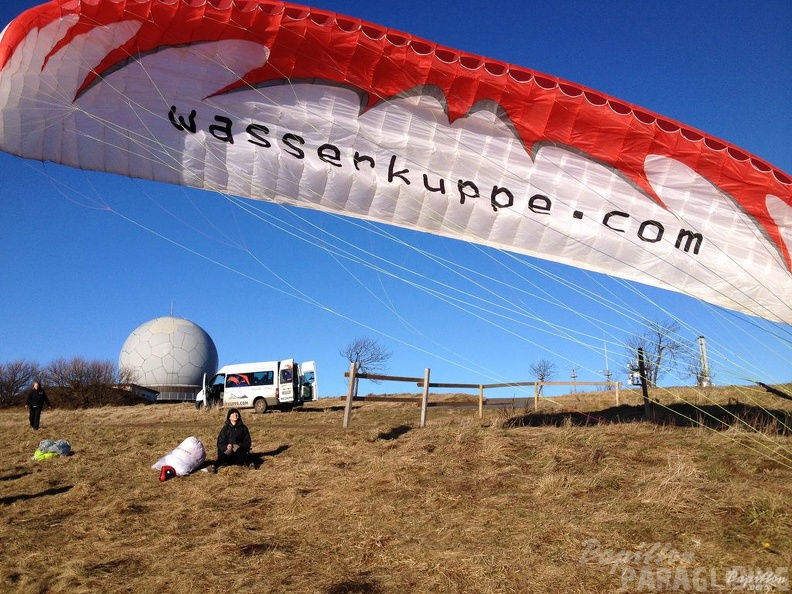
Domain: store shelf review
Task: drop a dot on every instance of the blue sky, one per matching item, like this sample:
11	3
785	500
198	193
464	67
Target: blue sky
85	258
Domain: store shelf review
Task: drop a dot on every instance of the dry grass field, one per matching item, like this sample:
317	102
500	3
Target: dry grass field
494	505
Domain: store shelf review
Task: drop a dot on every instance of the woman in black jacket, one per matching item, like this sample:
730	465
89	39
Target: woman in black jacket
36	400
233	442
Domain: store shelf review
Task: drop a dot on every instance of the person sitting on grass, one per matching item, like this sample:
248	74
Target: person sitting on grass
233	443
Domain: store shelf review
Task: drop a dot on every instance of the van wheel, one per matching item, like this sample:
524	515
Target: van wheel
260	406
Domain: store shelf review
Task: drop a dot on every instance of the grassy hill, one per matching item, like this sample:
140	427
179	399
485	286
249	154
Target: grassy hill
511	502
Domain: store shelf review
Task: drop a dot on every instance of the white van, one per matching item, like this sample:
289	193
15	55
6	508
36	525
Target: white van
269	384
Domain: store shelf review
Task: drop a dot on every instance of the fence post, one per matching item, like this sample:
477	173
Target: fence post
644	388
536	396
425	399
350	394
481	401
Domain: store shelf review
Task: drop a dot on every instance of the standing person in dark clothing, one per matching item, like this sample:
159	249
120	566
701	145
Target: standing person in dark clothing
36	400
233	443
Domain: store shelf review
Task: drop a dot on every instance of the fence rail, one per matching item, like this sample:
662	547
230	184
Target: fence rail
424	383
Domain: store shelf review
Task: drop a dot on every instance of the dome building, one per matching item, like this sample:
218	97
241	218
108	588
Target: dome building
169	355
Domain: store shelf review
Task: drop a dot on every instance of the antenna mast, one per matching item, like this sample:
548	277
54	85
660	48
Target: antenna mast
703	379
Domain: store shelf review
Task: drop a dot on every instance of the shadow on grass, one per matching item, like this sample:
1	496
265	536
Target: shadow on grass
362	584
13	477
719	417
337	408
275	452
258	457
26	496
394	433
262	548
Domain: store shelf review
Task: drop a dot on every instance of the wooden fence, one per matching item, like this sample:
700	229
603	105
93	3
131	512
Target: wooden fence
426	384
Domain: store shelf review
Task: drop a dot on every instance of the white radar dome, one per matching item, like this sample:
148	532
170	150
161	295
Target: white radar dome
168	351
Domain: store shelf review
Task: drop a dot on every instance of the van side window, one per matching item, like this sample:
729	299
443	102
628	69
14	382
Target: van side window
236	380
263	378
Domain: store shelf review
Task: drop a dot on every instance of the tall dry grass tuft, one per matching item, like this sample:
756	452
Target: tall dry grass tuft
462	505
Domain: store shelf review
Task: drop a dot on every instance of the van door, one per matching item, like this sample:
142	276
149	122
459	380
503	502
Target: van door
213	392
263	389
287	382
309	386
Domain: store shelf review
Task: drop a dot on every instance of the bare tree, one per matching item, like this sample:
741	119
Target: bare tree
368	355
662	347
128	375
543	370
695	369
15	376
86	380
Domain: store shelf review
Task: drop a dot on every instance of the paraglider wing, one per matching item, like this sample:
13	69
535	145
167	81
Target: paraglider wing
280	102
184	458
